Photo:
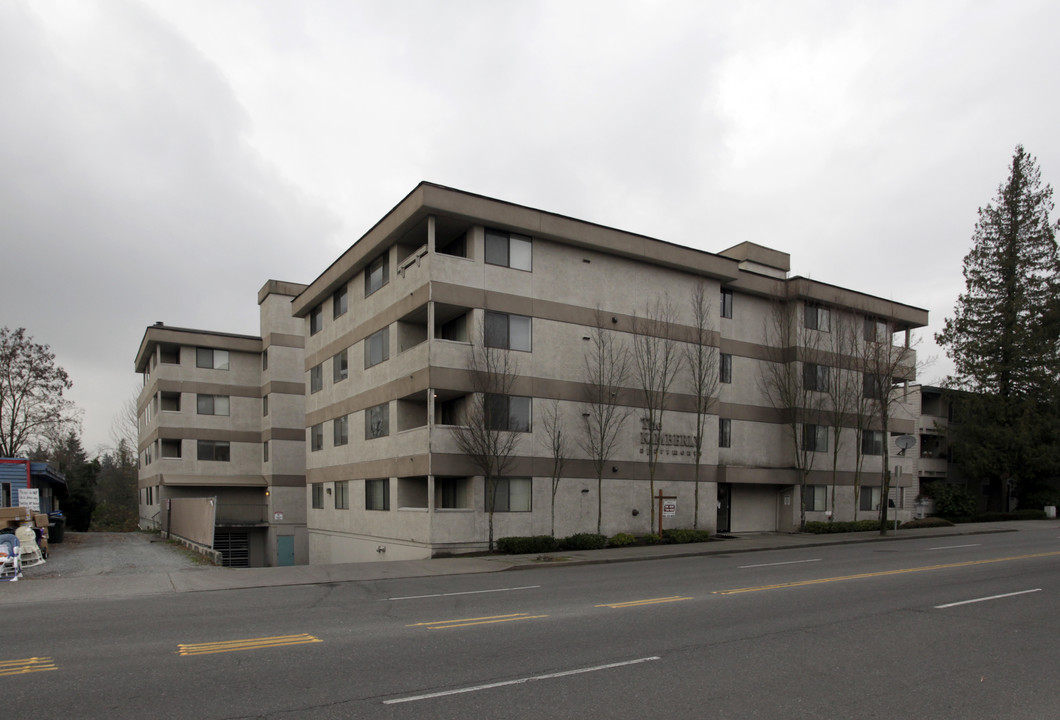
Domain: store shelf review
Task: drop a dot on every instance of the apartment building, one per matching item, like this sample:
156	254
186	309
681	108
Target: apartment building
221	428
390	334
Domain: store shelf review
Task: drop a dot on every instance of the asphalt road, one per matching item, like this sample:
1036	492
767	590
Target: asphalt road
852	631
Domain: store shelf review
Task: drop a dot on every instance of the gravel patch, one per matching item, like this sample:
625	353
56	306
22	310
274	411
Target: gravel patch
88	554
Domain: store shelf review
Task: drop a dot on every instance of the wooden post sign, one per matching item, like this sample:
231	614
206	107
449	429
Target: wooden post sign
667	508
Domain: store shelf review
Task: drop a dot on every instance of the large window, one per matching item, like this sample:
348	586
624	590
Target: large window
815	438
377	274
511	332
815	377
316	437
340	302
725	368
818	318
377	421
212	404
870	386
211	358
340	366
508	412
726	303
377	494
509	250
342	494
215	450
316	319
316	378
872	442
815	498
724	432
452	493
510	495
876	330
318	496
869	498
341	430
377	347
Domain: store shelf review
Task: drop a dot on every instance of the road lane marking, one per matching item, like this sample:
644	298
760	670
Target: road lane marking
210	648
468	592
467	622
953	547
638	603
520	681
789	562
984	599
26	665
882	573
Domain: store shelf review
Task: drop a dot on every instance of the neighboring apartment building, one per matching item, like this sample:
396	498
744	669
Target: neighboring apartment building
389	331
223	416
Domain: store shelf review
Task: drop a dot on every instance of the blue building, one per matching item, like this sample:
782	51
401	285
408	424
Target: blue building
19	473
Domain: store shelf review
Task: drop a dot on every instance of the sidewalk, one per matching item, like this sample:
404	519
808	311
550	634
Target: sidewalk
99	587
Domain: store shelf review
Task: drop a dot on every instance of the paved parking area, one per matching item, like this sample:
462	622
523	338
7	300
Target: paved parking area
88	554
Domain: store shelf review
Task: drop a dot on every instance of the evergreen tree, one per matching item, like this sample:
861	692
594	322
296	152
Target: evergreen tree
1002	337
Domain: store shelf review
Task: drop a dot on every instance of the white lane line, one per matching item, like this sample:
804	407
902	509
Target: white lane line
520	681
789	562
468	592
951	547
984	599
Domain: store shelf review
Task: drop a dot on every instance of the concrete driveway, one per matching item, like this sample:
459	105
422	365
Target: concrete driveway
88	554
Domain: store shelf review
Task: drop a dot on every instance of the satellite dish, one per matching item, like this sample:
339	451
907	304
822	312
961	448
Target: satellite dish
905	441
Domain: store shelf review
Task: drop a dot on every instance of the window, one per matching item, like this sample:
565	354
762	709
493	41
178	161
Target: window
377	347
264	405
265	360
870	386
340	302
511	332
342	494
377	274
210	358
872	442
451	493
817	318
377	421
170	401
869	498
726	303
340	367
316	319
814	498
815	438
318	496
171	448
724	432
455	329
815	377
509	495
725	368
211	404
508	412
316	378
456	246
377	494
341	430
215	450
316	437
509	250
876	330
265	451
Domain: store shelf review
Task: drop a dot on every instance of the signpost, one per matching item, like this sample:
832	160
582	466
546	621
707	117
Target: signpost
667	508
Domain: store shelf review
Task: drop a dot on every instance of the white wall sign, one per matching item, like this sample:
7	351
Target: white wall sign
29	498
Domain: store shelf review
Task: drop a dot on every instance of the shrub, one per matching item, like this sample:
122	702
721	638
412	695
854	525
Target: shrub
1014	515
517	545
951	501
927	523
621	540
684	535
820	528
583	541
650	539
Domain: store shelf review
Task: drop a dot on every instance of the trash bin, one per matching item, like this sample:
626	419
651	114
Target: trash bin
1050	511
56	527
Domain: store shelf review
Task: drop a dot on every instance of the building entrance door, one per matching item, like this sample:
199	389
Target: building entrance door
724	508
284	550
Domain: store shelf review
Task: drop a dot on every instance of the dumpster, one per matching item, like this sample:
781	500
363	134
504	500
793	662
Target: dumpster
56	527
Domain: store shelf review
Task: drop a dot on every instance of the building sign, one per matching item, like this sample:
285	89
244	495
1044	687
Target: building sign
669	507
29	498
277	516
672	444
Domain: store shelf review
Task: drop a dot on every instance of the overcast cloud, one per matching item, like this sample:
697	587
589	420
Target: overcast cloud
162	159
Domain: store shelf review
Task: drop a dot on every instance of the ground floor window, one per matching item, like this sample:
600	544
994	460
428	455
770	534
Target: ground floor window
510	495
318	496
377	494
451	493
870	498
814	498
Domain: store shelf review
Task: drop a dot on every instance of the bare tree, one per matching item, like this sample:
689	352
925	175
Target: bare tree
125	425
784	377
606	365
656	362
487	436
844	388
701	360
558	445
32	406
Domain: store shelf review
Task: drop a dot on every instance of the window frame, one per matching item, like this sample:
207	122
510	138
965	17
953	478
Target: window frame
725	368
502	323
814	437
215	362
493	406
215	448
377	421
816	377
872	443
727	302
340	369
316	491
370	499
382	337
316	378
724	432
506	497
377	273
875	494
817	317
206	404
816	492
494	241
316	320
342	495
316	437
340	302
340	431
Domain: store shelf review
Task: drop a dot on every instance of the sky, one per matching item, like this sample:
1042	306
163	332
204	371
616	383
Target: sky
161	159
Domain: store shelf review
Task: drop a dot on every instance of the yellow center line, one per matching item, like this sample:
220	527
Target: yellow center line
466	622
248	644
637	603
26	665
800	583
